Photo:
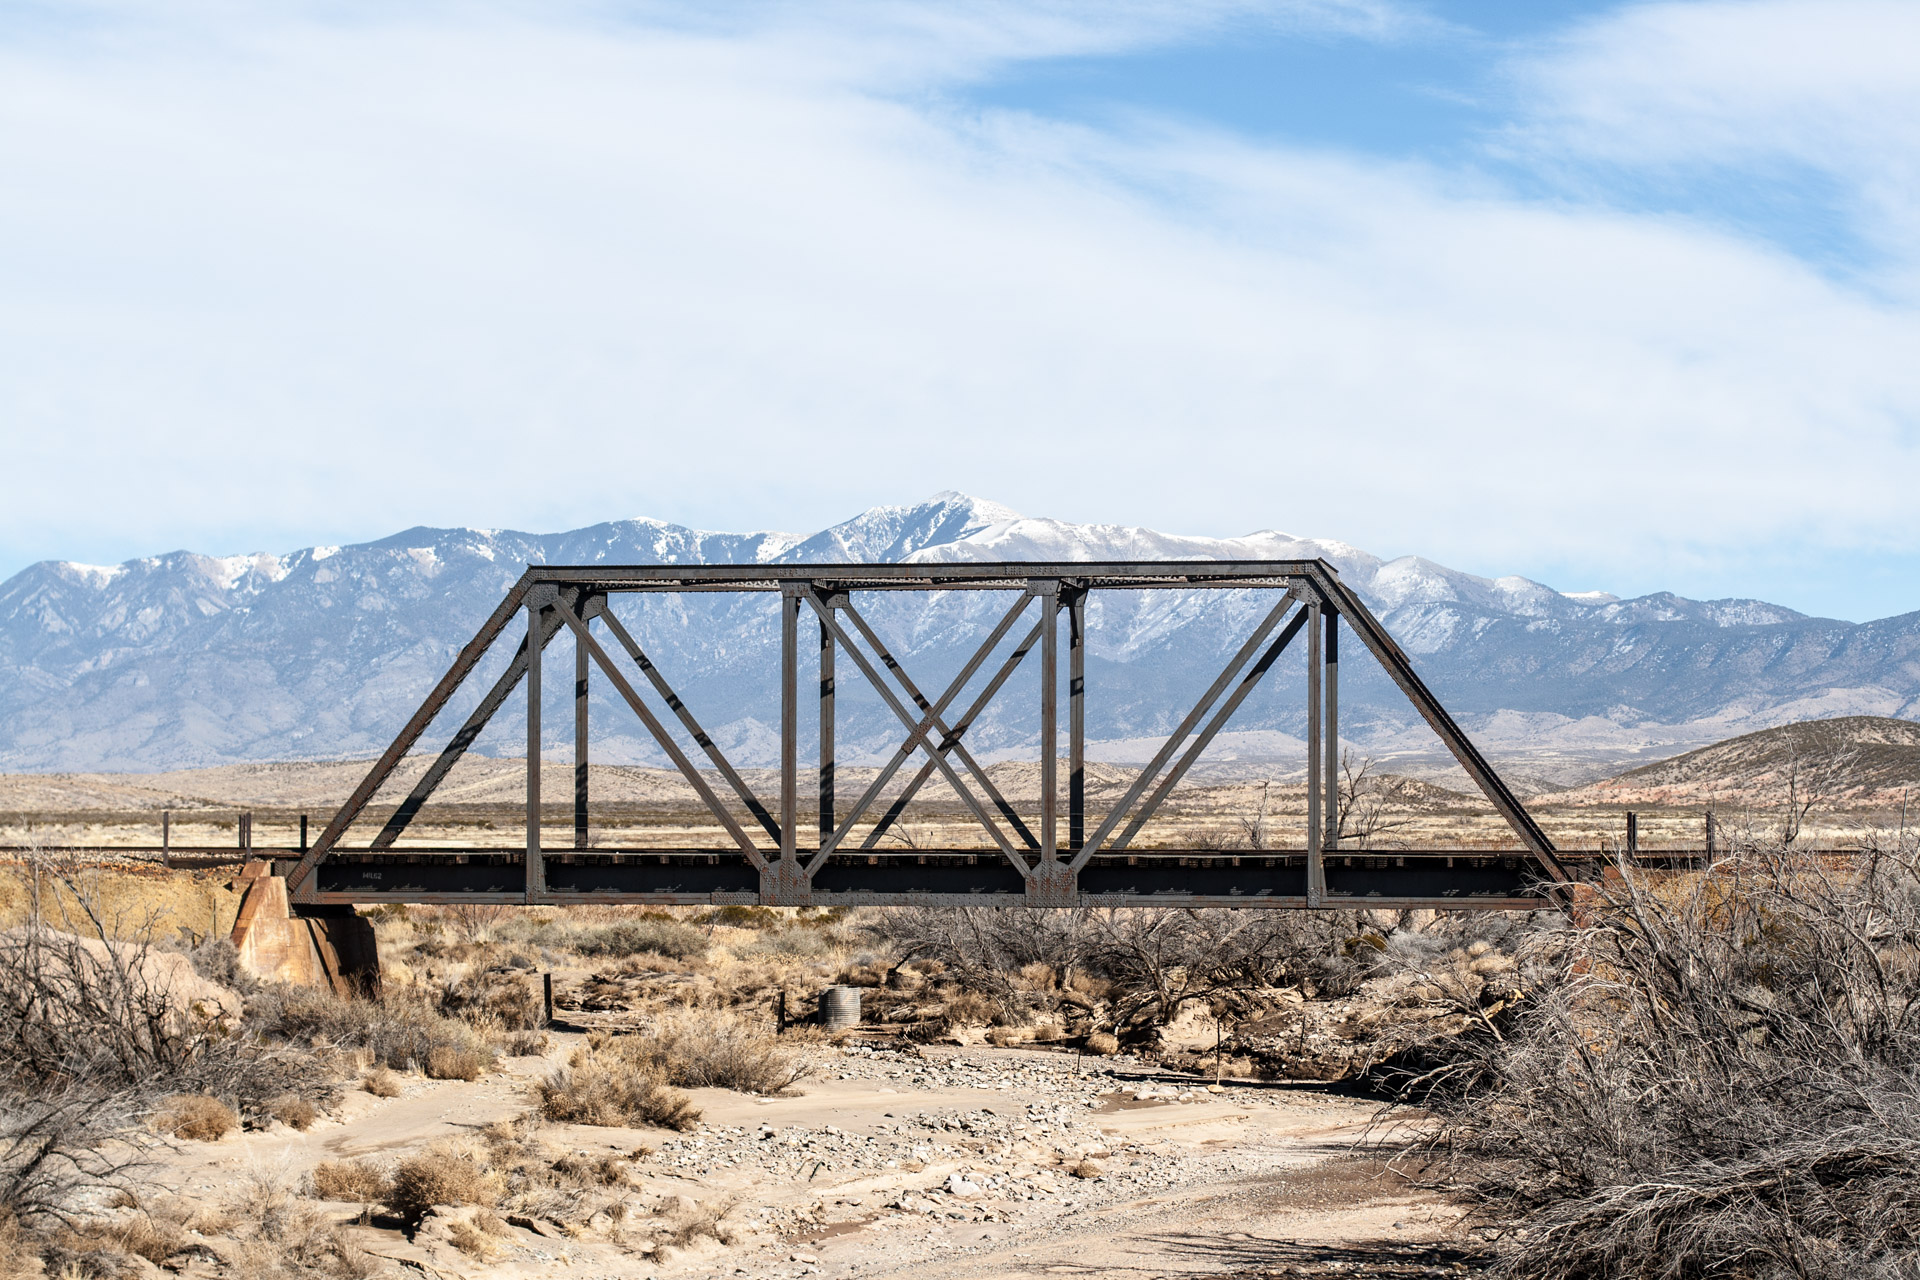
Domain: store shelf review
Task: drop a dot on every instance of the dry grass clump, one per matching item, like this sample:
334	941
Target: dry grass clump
282	1239
442	1174
615	1091
1720	1077
458	1062
526	1044
381	1082
1103	1043
356	1181
711	1049
196	1117
293	1111
474	1235
693	1221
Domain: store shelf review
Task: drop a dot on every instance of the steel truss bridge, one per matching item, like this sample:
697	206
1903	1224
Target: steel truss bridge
1031	859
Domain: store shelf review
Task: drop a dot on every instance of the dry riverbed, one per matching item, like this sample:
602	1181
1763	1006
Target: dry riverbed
900	1161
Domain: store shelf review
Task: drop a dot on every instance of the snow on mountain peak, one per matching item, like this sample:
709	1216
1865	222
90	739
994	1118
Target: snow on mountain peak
95	575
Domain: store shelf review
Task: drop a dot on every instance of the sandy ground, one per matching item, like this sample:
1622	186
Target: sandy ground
955	1162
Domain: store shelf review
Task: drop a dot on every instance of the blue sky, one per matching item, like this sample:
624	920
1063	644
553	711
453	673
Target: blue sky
1616	296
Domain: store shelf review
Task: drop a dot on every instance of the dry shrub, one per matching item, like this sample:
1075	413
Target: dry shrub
356	1181
1006	1037
592	1171
400	1030
470	1238
508	1000
527	1044
713	1049
196	1117
442	1174
690	1223
656	935
282	1239
293	1111
138	1236
458	1062
1102	1043
969	1008
382	1082
570	1190
606	1089
1721	1078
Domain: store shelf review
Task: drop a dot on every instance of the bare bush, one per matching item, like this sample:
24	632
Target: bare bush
1361	803
1146	963
1160	959
57	1146
980	946
1721	1079
507	1000
97	1026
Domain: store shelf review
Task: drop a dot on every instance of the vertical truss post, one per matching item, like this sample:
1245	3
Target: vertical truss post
538	601
790	593
1077	719
1049	593
1316	866
1332	780
826	730
580	758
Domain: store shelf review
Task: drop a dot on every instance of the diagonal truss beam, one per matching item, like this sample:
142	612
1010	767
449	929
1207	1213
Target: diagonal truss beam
1179	735
906	749
966	757
1246	686
952	737
1393	660
692	726
917	731
403	742
464	737
661	736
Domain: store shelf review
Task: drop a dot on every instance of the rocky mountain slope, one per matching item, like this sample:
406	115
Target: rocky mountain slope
186	660
1846	762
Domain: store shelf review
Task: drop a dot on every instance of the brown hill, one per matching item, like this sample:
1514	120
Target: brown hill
1851	762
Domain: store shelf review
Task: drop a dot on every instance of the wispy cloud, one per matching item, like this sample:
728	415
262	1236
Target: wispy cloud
536	265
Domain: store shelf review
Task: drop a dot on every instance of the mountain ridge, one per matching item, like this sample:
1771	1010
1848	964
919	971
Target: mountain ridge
186	660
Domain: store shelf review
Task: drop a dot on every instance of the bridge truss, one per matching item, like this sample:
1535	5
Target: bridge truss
1028	859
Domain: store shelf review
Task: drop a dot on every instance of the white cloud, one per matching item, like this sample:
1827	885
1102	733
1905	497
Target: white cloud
519	269
1798	89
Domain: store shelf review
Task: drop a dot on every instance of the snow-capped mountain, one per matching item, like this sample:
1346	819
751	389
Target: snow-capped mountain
185	660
